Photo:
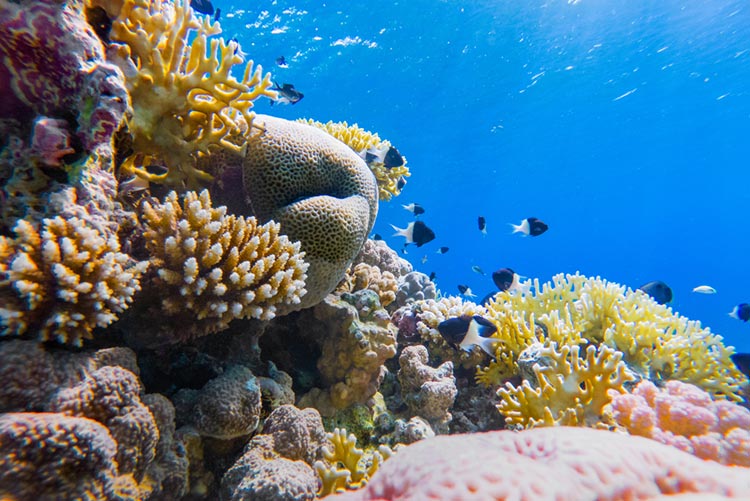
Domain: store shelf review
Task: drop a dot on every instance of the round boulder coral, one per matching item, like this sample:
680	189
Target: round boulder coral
318	189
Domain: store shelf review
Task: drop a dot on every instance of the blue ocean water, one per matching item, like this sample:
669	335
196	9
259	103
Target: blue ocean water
623	124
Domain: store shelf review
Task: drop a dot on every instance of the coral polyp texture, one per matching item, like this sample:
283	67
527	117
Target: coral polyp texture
51	456
219	267
185	98
363	141
63	281
686	417
318	189
364	276
562	463
655	343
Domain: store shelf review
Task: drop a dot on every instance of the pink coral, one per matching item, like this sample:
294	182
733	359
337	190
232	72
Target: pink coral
560	463
684	416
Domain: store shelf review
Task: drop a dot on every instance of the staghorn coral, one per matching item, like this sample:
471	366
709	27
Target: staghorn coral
185	99
356	339
346	466
317	189
684	416
220	267
362	141
564	464
429	392
655	342
570	390
111	396
51	456
64	281
364	276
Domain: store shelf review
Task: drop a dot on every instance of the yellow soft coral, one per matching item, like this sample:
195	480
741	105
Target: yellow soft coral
361	140
64	281
346	465
220	267
570	390
654	341
185	99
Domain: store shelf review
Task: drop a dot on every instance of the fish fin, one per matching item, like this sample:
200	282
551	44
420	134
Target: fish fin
521	228
407	232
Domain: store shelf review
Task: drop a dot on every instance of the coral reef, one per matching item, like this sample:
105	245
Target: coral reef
362	142
377	253
569	390
185	99
356	338
220	267
655	343
320	192
61	283
276	464
414	286
228	406
428	392
684	416
51	456
583	464
363	276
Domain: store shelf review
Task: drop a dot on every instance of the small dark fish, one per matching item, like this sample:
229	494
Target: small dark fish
287	94
432	276
477	269
505	279
203	7
217	15
415	208
281	62
530	226
156	170
742	361
658	290
741	312
443	250
466	291
377	236
404	251
466	331
393	158
482	224
401	183
415	233
486	299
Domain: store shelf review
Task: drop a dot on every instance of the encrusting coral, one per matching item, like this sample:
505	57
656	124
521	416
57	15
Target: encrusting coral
185	99
64	281
220	267
362	142
71	458
686	417
655	343
317	189
429	392
364	276
561	463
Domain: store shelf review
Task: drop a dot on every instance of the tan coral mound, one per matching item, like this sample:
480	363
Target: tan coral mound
51	456
564	464
61	283
364	276
219	267
318	189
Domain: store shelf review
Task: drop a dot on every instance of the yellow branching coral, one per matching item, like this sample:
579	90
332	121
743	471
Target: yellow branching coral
184	97
64	281
654	341
364	276
362	141
571	390
346	466
220	267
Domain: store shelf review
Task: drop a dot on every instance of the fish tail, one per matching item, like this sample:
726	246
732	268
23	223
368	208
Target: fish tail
520	228
403	232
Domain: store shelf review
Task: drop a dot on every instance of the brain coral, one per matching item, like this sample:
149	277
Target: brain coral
564	464
64	281
51	456
318	189
220	267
